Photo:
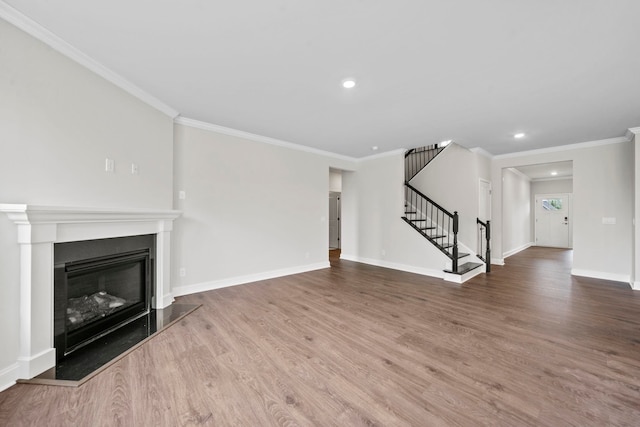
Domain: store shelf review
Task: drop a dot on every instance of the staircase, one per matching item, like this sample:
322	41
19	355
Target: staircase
432	221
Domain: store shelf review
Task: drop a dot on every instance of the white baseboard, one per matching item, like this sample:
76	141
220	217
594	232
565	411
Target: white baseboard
635	286
395	266
240	280
348	257
497	261
164	302
516	250
8	376
37	364
602	275
461	278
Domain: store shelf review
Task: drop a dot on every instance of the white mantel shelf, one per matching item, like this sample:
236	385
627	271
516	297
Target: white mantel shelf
39	228
37	214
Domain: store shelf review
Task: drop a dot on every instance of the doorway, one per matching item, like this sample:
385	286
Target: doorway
553	220
335	214
334	220
484	200
521	186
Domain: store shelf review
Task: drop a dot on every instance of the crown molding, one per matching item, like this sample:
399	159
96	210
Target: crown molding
568	147
560	178
481	151
36	30
257	138
520	174
632	133
396	152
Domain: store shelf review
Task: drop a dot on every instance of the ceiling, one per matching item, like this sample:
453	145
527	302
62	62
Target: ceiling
475	72
548	171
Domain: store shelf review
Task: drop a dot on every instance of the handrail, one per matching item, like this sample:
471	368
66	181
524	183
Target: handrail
428	199
486	254
416	159
434	222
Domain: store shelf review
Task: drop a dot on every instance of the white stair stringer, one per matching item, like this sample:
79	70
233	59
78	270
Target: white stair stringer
472	257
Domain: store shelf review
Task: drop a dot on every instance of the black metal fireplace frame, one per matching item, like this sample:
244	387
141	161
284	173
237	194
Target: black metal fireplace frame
75	258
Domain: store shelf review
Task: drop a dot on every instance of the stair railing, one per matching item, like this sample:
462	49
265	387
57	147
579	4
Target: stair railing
434	222
417	158
484	242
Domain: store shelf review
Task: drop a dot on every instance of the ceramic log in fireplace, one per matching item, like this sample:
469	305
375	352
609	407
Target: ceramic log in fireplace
100	285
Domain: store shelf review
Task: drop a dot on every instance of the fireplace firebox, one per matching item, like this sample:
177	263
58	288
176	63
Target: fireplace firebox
99	286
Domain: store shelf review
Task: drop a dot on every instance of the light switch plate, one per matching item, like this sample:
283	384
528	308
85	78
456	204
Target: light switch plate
109	165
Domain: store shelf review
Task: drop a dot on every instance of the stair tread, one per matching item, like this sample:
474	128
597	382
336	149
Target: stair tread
443	247
462	254
465	268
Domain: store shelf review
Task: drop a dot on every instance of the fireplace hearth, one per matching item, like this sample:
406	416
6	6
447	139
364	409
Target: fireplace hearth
99	286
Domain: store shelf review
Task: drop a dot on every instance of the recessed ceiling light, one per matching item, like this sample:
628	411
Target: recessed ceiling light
348	84
554	173
374	148
445	143
519	135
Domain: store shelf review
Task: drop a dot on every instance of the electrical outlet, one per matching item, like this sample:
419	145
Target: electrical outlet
135	170
183	272
182	194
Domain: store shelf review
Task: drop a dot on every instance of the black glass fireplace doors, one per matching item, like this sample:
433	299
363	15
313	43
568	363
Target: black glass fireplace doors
95	295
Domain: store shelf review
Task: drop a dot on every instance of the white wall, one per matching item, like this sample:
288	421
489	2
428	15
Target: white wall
516	210
552	186
335	181
252	210
602	187
58	123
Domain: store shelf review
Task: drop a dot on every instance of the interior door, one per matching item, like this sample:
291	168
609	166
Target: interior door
484	200
553	220
334	220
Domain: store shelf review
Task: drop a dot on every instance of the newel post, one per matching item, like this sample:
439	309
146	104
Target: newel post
454	263
488	253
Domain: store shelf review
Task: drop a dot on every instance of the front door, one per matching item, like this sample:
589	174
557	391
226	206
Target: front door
553	220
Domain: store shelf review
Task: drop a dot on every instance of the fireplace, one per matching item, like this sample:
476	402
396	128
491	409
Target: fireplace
99	286
39	229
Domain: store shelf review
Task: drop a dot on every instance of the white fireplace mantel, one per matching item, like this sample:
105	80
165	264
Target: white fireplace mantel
39	227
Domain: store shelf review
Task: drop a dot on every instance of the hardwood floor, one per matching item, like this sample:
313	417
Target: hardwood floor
527	344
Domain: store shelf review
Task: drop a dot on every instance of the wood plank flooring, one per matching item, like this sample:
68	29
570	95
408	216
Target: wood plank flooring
526	345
